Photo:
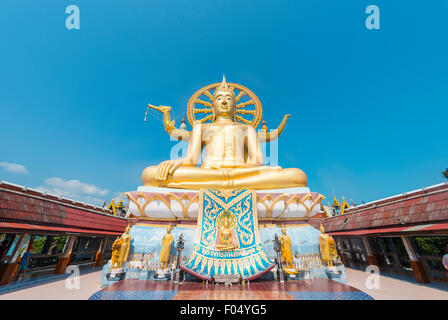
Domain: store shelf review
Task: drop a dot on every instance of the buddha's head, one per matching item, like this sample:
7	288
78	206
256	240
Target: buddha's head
224	102
322	229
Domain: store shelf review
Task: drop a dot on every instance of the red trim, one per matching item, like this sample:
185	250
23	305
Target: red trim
255	276
365	232
197	275
25	226
438	226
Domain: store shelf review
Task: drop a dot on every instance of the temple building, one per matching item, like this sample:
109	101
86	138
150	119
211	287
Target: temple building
58	231
404	234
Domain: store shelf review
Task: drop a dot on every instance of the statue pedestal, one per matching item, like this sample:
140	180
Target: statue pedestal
290	271
333	272
162	274
116	274
154	203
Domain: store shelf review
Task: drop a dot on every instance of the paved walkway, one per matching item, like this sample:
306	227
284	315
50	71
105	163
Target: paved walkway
390	289
58	290
395	289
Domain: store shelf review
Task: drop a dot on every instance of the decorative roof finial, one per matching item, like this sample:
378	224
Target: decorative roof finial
183	125
336	203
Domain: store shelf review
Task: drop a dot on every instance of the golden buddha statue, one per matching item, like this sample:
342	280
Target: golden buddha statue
166	247
225	238
325	242
233	155
125	244
285	241
115	253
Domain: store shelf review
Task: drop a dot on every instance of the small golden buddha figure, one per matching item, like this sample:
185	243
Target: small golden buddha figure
233	155
225	238
333	249
325	242
125	245
285	241
167	240
115	253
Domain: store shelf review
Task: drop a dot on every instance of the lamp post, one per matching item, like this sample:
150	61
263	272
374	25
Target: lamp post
179	247
277	248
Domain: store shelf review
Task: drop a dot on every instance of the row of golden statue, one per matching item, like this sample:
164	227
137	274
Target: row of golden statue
121	246
327	245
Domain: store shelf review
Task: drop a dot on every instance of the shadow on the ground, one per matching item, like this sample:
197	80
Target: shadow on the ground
434	285
36	279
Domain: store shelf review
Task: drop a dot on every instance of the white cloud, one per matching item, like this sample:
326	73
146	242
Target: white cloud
14	167
75	189
75	186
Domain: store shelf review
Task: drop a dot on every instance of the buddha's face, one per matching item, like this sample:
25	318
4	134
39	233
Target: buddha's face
224	104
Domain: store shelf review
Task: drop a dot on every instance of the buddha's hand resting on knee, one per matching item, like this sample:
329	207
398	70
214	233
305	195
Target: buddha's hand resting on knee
167	168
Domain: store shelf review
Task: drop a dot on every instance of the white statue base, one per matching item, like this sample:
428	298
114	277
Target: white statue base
116	273
162	274
157	203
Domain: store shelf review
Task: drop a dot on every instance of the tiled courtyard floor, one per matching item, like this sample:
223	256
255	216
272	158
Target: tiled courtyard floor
317	289
390	289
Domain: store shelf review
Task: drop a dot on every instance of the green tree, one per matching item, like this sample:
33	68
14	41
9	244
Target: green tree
433	246
60	240
38	244
445	173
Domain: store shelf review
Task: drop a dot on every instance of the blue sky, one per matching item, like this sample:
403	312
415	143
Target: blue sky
369	106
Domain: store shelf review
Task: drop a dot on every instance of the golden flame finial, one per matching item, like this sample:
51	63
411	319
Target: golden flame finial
224	87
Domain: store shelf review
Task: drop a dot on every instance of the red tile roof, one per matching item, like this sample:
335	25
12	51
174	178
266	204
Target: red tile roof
21	205
418	207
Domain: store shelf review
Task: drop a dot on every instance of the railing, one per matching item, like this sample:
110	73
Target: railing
82	257
434	267
356	258
43	261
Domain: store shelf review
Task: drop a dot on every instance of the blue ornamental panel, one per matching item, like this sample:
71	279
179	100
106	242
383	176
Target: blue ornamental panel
227	236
